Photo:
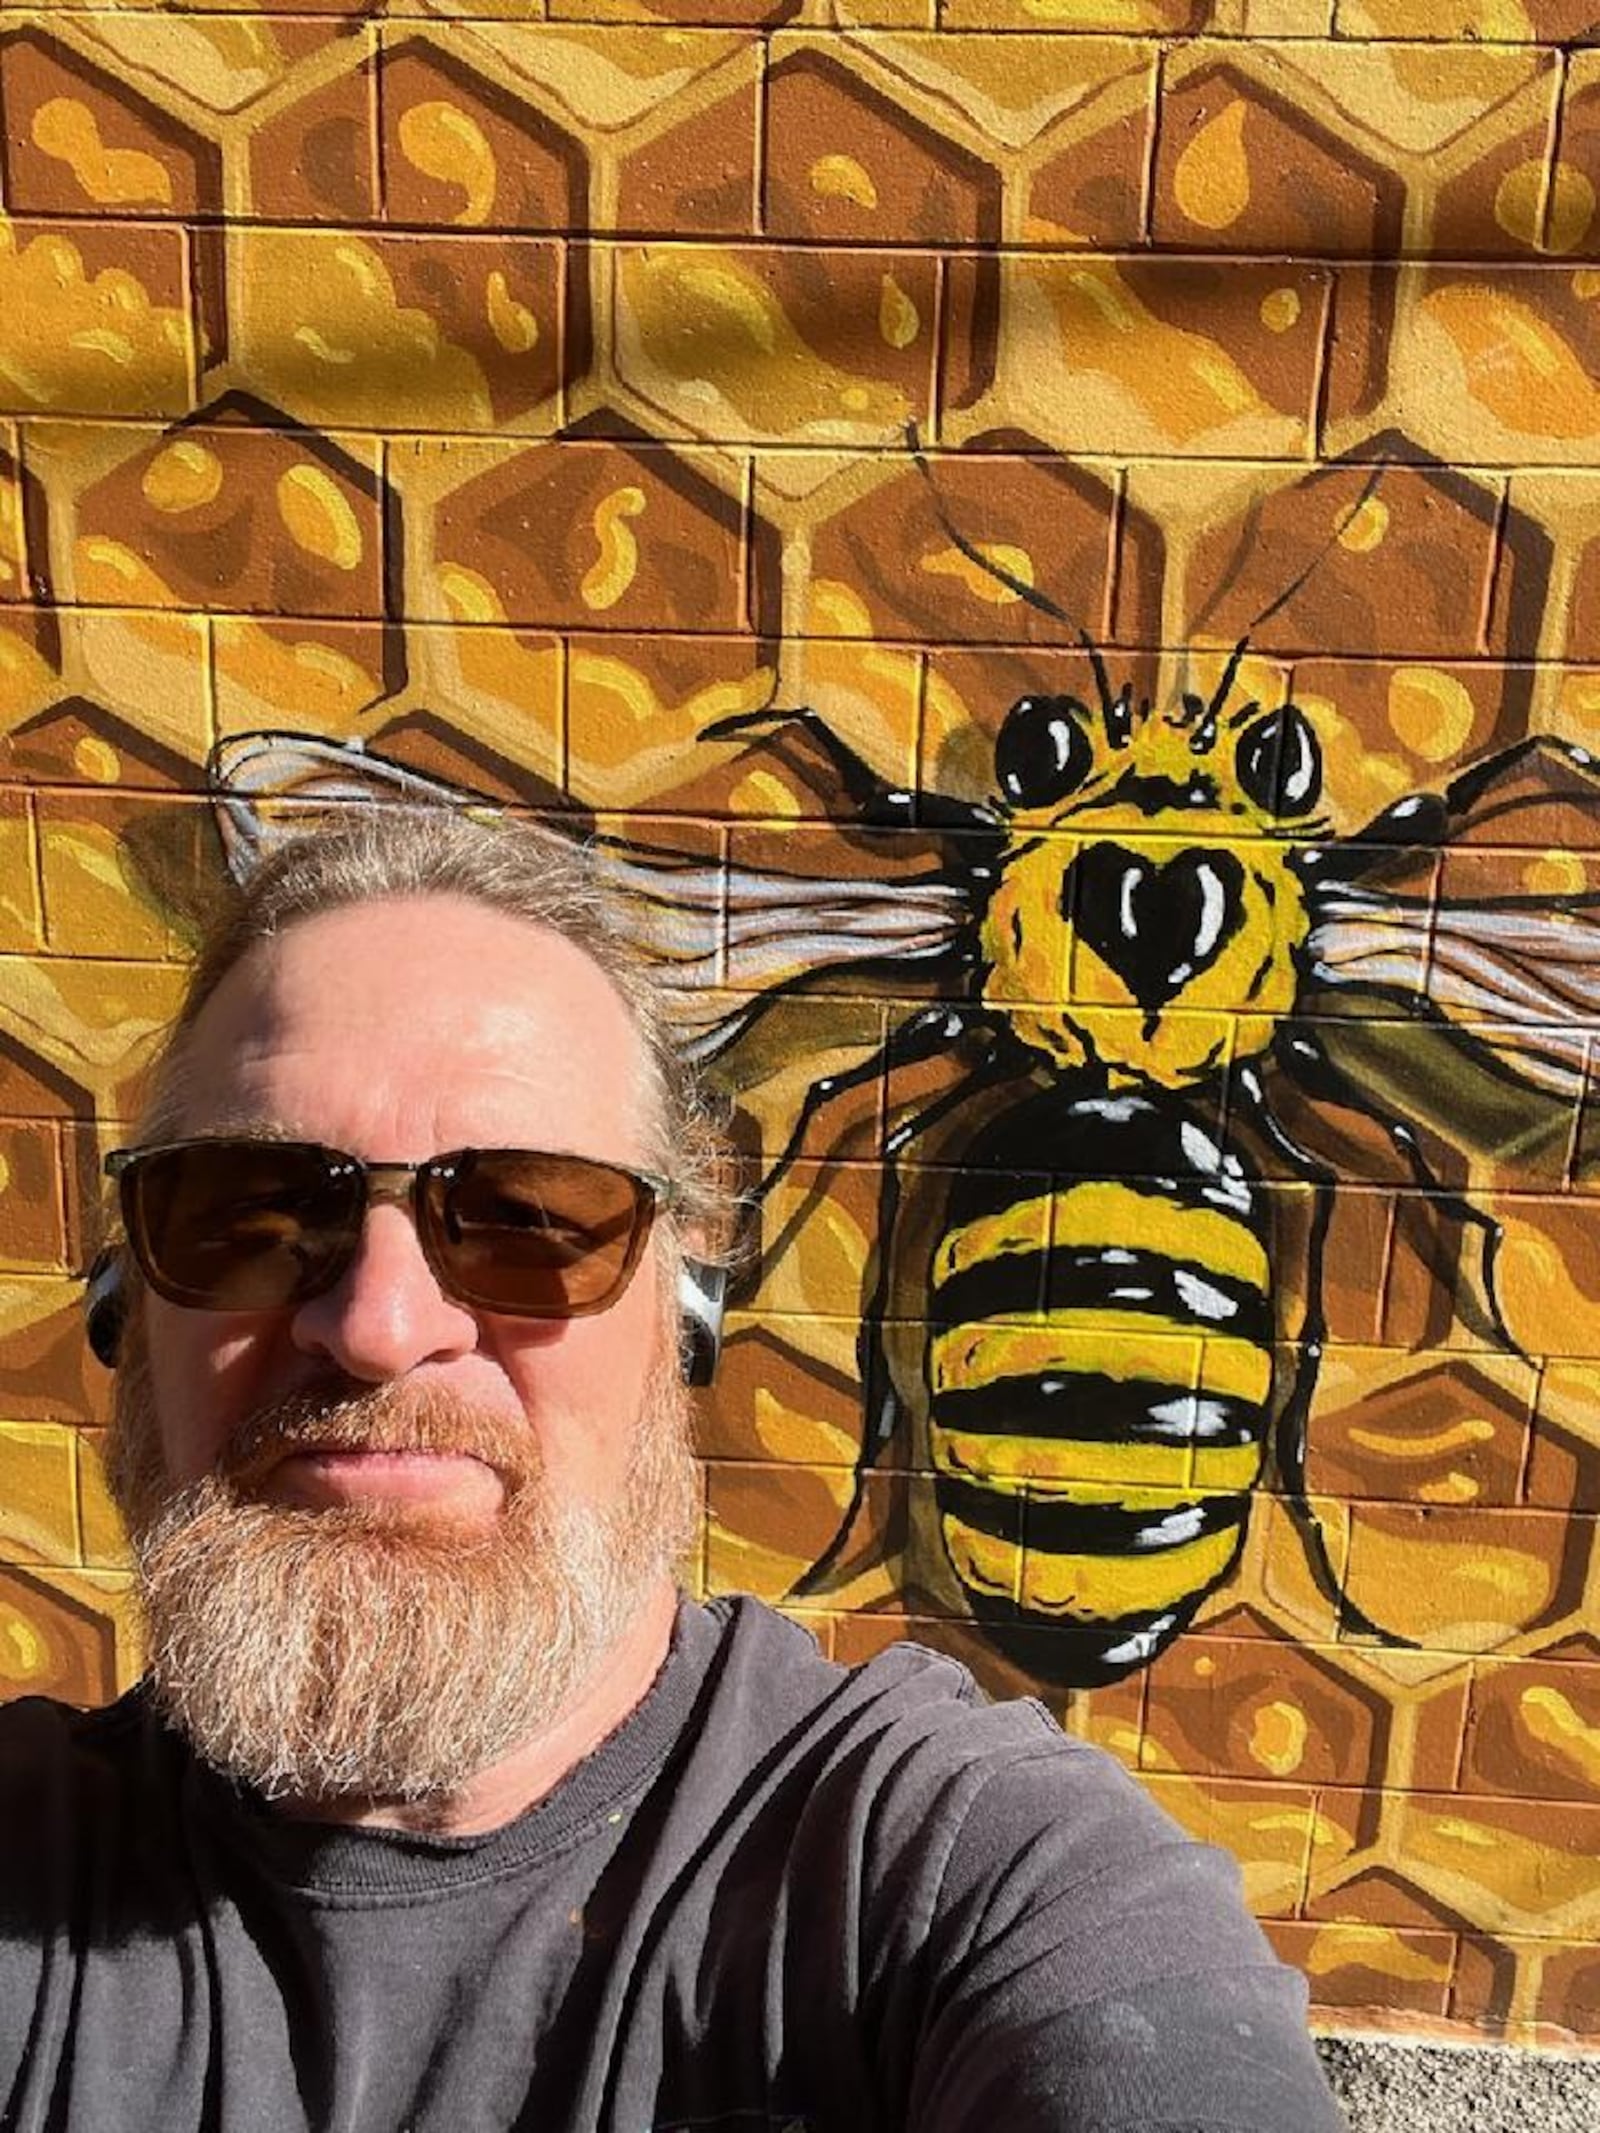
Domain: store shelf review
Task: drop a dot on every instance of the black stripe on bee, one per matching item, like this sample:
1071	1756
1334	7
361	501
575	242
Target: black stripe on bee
1087	1407
1103	1278
1069	1527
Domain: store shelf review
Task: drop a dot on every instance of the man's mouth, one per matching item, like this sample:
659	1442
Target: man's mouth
326	1477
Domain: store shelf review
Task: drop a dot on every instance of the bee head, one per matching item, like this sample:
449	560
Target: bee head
1147	912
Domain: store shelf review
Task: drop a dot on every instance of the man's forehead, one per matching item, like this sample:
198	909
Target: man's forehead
434	988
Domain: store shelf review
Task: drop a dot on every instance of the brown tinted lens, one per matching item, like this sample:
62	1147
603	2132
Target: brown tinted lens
241	1225
534	1236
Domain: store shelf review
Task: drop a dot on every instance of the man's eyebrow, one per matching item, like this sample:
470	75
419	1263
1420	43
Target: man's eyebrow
247	1126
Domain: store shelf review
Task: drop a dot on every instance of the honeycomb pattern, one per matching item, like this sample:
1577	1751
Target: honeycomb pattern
523	398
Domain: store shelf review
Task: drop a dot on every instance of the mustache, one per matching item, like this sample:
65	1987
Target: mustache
342	1414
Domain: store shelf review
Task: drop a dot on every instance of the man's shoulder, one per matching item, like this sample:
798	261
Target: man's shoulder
60	1749
908	1722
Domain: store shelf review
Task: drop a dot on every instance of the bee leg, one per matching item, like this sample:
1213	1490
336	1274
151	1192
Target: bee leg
877	803
882	1408
1311	1067
1290	1431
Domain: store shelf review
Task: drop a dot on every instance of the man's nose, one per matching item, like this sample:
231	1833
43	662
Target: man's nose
387	1313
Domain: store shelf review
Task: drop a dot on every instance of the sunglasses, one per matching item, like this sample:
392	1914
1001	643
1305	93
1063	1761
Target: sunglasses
262	1225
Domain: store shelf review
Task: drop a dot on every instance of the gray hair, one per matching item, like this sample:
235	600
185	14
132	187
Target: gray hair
376	852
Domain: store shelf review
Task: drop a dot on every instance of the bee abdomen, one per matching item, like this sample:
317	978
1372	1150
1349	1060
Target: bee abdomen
1100	1375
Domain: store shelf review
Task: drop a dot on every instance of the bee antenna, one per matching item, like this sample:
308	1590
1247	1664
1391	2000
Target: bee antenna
1375	474
1041	602
1230	675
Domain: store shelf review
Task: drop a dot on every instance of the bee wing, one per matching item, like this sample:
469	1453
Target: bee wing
1461	936
268	787
724	940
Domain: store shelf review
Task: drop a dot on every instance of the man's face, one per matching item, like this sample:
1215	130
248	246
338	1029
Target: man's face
396	1031
446	1513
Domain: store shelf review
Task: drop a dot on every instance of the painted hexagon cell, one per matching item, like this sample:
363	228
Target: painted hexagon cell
1367	551
1264	1708
895	563
238	513
697	177
111	304
77	140
460	151
313	159
1533	1728
53	1644
374	330
1092	191
592	534
786	342
1452	1432
845	165
1239	167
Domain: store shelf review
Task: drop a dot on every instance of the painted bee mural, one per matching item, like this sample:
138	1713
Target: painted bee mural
1131	946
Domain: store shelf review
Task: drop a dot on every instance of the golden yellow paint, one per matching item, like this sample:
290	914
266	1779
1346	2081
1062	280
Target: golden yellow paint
1373	1948
311	684
1551	1720
1139	1475
1571	212
799	1439
1541	1296
1515	363
763	794
836	610
1586	284
1124	1345
1211	179
1554	874
23	1653
318	516
99	346
1430	713
1099	1212
5	1174
898	322
96	759
512	324
1519	201
112	177
1431	1444
1280	309
1278	1733
983	585
468	595
110	570
183	476
325	334
1451	1488
1106	1587
621	728
841	177
617	564
708	323
449	146
1365	527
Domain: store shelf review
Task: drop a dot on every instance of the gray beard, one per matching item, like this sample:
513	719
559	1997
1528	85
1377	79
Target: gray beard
361	1655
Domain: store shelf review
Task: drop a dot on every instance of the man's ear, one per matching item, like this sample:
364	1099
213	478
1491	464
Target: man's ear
105	1304
701	1288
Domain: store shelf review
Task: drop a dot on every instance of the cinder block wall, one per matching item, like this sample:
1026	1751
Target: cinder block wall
531	395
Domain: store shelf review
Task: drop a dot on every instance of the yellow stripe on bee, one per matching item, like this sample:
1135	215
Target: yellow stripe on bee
1122	1345
1139	1475
1086	1588
1104	1213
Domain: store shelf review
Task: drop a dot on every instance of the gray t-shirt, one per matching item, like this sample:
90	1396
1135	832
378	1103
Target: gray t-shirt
782	1894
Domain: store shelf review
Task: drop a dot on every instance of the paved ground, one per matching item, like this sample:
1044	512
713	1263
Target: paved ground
1388	2087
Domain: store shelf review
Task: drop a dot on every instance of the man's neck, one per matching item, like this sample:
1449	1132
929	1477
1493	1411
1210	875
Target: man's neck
537	1765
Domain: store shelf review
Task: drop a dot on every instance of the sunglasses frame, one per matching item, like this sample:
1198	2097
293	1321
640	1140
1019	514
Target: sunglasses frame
402	1185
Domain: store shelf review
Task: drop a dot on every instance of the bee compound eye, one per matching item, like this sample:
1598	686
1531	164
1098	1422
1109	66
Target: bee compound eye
1043	752
1279	762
